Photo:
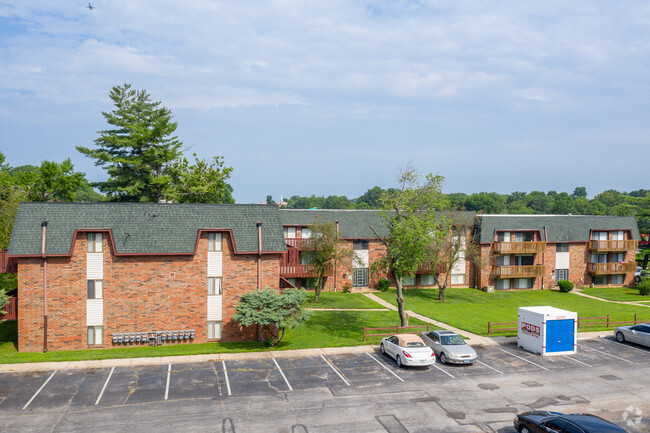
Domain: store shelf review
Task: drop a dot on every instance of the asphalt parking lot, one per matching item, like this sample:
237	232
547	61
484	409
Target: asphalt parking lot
347	392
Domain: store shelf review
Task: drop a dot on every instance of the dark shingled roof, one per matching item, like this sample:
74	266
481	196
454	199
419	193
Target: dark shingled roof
353	224
143	228
560	228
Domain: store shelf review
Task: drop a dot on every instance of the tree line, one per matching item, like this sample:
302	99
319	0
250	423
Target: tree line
611	202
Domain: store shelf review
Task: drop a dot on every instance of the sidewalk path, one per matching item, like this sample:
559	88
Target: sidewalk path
471	338
637	303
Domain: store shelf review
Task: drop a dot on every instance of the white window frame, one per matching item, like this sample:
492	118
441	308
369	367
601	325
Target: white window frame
306	233
618	235
457	279
214	329
95	335
214	241
94	242
215	286
289	232
97	287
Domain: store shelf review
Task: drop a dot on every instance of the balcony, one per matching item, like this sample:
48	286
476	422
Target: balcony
297	271
531	271
611	268
301	244
8	265
531	247
623	245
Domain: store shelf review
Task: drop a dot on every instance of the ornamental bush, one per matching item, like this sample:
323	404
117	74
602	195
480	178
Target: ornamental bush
644	287
384	284
565	286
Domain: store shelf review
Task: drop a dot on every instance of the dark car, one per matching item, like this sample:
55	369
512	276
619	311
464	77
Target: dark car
555	422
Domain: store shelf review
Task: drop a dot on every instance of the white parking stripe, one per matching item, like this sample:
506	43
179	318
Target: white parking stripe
282	373
104	387
385	368
335	371
579	362
39	390
605	353
626	345
225	372
448	374
523	359
482	363
169	372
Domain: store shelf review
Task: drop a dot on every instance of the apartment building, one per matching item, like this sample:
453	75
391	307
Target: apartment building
102	275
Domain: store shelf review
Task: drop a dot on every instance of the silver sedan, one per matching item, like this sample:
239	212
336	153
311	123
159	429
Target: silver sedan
449	347
639	334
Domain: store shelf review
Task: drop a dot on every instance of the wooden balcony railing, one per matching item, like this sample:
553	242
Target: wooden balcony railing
624	245
519	247
301	244
611	268
7	265
530	271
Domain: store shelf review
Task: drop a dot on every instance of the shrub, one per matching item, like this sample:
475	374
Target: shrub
644	287
346	289
384	284
565	286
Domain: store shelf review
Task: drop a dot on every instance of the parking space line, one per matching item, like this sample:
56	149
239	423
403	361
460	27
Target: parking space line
644	350
579	362
523	359
448	374
169	372
605	353
482	363
39	390
225	372
335	370
282	373
385	368
99	397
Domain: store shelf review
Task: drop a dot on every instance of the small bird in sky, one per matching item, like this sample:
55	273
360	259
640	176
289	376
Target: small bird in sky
90	6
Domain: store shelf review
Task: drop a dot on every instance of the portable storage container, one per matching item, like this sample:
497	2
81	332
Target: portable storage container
547	330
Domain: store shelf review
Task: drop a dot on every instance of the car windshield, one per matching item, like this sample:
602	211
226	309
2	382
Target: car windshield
414	344
452	340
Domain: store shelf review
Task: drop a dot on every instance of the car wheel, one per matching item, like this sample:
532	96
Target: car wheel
524	429
620	337
443	357
398	360
382	349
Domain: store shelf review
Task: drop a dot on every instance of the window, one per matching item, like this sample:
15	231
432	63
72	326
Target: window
360	245
427	280
524	260
599	280
360	277
503	260
524	236
618	235
95	335
618	257
95	289
457	279
555	425
289	232
599	236
503	284
214	329
562	248
503	237
523	283
94	242
408	280
599	258
306	233
618	279
214	285
214	241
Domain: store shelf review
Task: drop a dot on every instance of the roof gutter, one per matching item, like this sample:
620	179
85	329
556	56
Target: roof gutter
44	227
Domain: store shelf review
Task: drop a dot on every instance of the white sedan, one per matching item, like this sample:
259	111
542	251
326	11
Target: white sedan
407	349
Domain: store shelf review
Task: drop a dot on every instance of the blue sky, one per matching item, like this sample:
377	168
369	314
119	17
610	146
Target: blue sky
335	97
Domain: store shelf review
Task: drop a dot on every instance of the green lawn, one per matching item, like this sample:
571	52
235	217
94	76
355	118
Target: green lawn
340	300
623	294
472	309
323	329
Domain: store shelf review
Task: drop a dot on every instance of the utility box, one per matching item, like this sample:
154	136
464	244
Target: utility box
547	330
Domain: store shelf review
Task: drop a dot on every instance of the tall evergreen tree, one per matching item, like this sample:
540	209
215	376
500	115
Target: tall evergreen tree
139	151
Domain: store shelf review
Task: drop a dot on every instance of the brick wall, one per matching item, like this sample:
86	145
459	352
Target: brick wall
140	293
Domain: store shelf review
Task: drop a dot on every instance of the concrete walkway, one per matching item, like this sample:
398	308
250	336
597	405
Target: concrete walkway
637	303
